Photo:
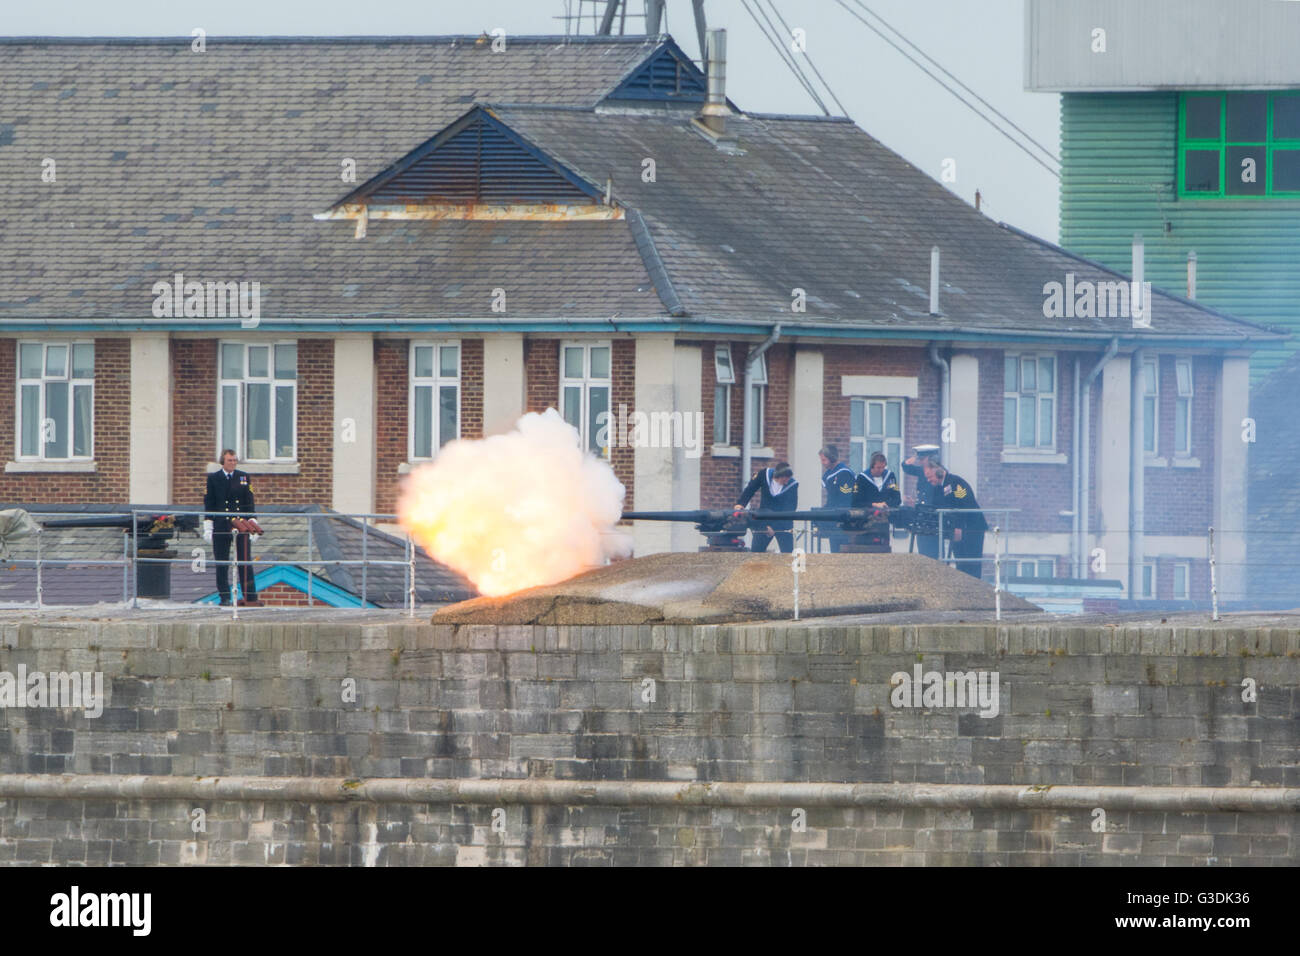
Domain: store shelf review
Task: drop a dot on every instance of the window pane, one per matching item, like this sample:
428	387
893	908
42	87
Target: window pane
856	457
600	361
720	414
449	361
857	411
1148	581
1009	421
894	455
31	413
230	416
423	444
573	362
1247	117
1245	171
873	446
447	414
1286	170
1149	377
29	362
1149	424
1286	116
573	406
1046	375
258	421
1202	117
286	361
284	421
1184	370
232	362
1012	374
424	361
1027	412
759	372
1046	568
1046	432
1180	425
1201	171
894	419
56	360
56	415
81	416
722	365
876	416
1180	581
83	360
257	361
1028	375
597	406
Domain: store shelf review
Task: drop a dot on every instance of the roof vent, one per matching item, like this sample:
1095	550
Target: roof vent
712	119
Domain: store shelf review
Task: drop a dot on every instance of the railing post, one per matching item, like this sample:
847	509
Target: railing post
135	563
236	588
1214	582
997	576
310	601
410	576
126	560
40	580
365	559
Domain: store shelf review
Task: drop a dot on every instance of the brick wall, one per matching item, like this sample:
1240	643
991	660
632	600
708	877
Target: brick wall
194	425
284	595
110	482
471	388
541	374
392	386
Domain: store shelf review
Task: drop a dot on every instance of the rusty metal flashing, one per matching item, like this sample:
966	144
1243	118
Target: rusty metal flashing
516	212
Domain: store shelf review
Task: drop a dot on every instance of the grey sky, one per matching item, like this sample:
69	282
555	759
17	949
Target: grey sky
980	41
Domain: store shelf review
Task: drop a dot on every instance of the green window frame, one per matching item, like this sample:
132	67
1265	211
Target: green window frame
1253	125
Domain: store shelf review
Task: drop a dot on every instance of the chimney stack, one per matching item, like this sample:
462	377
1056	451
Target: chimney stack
713	116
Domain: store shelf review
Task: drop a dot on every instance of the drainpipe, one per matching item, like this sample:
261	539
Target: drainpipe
1085	452
746	440
940	364
1075	570
1137	476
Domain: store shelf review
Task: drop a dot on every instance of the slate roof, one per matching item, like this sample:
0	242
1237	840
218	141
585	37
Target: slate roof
213	165
333	538
1273	494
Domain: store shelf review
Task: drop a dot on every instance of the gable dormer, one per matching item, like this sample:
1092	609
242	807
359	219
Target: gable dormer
667	75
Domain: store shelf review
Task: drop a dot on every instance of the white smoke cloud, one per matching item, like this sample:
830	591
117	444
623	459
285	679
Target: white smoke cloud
518	510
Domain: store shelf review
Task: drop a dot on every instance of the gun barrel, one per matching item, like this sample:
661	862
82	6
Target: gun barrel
695	517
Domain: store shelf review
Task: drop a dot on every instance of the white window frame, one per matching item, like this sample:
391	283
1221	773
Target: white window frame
40	384
240	444
858	443
1151	393
589	430
437	381
1149	588
758	383
1183	401
1037	396
724	374
1186	568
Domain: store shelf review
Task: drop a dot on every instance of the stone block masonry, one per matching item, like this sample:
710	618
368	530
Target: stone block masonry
532	745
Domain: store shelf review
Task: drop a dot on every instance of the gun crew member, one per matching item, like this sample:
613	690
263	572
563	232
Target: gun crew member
228	494
926	495
877	486
838	481
778	491
967	529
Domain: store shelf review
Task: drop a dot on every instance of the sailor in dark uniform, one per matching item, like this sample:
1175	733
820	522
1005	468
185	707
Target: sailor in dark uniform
927	496
967	529
778	491
839	481
877	485
228	493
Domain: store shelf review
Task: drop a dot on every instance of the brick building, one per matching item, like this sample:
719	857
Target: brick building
444	235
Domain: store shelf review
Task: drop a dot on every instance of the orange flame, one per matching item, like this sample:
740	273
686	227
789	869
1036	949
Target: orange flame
518	510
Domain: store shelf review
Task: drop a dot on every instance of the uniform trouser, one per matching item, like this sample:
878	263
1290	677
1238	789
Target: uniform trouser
970	548
836	542
784	541
927	544
221	554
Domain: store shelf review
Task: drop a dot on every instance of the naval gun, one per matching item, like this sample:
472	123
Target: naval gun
153	532
864	529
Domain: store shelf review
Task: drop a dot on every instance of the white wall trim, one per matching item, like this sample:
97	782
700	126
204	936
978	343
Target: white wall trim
1012	457
50	466
879	386
260	467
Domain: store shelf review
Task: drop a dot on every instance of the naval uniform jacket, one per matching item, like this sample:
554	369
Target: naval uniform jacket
773	497
227	496
956	492
927	495
867	492
838	481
